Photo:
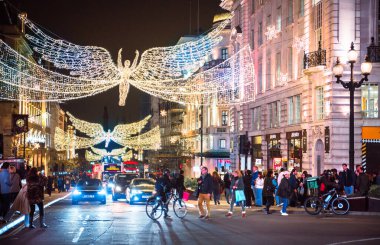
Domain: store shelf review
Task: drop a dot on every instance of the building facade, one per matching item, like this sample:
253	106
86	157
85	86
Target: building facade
300	117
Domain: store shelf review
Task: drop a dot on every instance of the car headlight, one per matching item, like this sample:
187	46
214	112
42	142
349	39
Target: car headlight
76	192
102	192
117	188
134	192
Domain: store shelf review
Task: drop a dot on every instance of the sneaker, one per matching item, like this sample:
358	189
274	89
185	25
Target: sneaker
201	216
284	214
243	215
207	217
280	205
229	215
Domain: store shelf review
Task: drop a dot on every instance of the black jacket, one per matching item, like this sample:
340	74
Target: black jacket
346	178
227	181
284	189
205	187
269	187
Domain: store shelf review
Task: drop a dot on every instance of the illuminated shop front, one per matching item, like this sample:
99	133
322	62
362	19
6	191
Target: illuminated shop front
274	151
257	153
294	140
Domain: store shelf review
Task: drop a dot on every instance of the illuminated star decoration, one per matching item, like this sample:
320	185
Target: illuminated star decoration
299	44
155	65
283	79
163	113
271	32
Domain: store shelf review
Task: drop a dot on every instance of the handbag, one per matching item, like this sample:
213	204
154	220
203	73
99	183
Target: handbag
239	195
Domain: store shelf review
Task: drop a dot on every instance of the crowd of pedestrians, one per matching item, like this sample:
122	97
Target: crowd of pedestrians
283	188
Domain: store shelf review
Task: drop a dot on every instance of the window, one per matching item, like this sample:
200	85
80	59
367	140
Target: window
224	53
260	33
319	103
256	118
260	79
240	122
224	118
301	8
300	64
278	66
222	144
290	12
253	6
370	100
274	114
268	79
318	23
290	63
279	18
252	39
294	110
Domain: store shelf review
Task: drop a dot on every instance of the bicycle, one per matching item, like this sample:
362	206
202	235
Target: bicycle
155	206
331	200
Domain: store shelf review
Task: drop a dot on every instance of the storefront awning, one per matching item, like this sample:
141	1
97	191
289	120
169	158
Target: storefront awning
371	134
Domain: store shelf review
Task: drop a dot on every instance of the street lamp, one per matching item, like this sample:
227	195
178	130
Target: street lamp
366	68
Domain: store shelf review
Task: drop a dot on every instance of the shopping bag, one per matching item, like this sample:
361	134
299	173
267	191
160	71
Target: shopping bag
239	195
186	196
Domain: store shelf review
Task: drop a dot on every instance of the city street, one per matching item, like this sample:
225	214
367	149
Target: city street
120	223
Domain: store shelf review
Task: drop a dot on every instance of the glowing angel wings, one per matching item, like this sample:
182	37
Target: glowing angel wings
91	62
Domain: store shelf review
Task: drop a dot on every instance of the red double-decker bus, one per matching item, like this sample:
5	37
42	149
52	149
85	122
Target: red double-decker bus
130	167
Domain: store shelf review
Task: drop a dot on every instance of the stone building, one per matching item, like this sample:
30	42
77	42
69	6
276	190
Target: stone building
300	117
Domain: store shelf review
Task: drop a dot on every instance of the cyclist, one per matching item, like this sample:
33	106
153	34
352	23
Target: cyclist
163	187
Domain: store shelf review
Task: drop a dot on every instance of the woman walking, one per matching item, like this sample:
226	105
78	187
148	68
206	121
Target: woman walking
35	194
237	189
268	191
216	182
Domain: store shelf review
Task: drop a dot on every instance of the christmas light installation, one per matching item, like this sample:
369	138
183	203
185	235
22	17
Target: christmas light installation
282	79
271	32
91	157
151	140
20	78
104	152
299	44
97	134
156	64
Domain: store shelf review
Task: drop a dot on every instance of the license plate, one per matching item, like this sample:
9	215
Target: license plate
145	196
88	196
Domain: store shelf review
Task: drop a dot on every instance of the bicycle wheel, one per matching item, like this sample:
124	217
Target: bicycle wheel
180	208
340	206
313	205
153	209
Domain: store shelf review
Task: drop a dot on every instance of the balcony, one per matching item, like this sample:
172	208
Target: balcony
373	52
316	58
218	62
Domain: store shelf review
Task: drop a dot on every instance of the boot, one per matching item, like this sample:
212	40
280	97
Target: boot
42	223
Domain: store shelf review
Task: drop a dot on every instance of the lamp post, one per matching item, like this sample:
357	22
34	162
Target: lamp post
351	85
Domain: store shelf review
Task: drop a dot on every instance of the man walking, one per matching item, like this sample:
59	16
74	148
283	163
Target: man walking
255	174
204	191
227	185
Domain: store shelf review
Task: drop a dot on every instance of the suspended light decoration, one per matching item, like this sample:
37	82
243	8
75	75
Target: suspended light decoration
97	134
91	157
271	32
282	79
151	140
156	64
104	152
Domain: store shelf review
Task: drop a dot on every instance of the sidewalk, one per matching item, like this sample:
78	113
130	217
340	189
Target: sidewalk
224	206
19	219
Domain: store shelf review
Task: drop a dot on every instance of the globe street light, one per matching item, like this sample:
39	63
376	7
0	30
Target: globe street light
366	68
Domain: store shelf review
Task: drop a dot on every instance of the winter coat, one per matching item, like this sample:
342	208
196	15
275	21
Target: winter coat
284	190
206	186
216	183
269	187
254	177
227	181
362	184
346	178
5	182
35	191
21	202
247	182
239	184
16	182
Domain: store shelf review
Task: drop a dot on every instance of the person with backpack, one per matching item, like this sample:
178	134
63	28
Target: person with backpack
268	191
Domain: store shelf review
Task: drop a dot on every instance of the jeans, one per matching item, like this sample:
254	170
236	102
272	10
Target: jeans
285	202
227	192
278	199
259	197
349	190
242	203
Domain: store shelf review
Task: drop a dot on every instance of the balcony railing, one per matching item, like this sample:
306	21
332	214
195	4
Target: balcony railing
373	51
212	63
316	58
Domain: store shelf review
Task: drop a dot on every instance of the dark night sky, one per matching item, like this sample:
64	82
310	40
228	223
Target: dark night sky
114	24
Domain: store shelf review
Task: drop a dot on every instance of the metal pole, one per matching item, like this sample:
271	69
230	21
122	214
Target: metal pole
201	131
24	147
352	113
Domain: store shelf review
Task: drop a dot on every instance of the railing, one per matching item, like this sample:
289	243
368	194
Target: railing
316	58
212	63
373	51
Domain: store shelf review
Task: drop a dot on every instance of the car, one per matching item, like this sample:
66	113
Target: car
89	190
121	182
140	190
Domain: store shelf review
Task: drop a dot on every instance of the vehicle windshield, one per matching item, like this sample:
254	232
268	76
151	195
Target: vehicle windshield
143	182
89	182
124	178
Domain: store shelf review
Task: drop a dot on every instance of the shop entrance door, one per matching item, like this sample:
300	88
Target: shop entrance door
319	154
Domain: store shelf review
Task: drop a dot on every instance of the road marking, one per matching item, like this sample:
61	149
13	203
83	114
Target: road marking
86	219
352	241
77	236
